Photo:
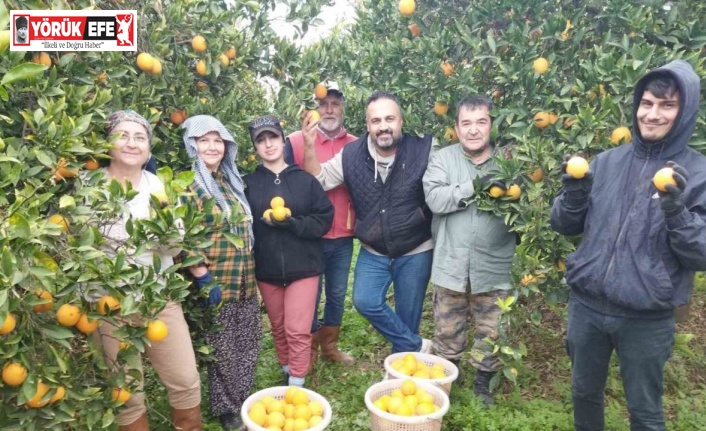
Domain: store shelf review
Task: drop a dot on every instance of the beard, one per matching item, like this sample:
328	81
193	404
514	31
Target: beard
330	125
386	140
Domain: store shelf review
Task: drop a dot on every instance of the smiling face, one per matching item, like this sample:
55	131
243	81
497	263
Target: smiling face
211	148
473	129
331	109
656	115
132	149
384	120
269	146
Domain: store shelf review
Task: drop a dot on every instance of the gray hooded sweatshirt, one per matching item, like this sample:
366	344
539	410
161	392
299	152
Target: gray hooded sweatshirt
632	261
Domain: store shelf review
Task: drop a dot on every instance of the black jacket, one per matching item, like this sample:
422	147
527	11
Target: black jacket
632	261
286	254
392	217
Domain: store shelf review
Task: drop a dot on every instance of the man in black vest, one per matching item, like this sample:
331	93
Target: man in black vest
383	172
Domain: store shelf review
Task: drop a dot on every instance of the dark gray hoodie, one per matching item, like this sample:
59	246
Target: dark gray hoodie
632	262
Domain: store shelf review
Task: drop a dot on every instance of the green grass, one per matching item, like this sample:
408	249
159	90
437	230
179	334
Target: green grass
541	400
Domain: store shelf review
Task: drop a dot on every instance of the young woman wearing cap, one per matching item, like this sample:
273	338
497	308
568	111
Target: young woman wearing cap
227	271
288	252
173	358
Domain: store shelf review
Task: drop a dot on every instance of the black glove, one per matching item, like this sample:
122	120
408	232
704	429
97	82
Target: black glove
576	190
672	200
215	294
286	223
488	182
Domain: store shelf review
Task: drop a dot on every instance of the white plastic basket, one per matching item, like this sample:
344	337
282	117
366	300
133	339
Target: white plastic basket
278	393
450	369
384	421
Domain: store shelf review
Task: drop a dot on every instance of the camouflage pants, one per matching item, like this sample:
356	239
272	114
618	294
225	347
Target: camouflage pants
452	312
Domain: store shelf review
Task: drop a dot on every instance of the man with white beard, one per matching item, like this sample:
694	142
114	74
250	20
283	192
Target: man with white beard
383	172
330	138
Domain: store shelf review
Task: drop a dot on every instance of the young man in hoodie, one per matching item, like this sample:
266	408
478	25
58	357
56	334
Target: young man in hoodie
640	248
383	172
331	137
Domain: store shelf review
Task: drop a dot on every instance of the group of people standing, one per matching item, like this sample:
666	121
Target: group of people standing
408	203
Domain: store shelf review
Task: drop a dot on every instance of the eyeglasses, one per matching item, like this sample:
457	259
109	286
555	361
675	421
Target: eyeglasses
139	139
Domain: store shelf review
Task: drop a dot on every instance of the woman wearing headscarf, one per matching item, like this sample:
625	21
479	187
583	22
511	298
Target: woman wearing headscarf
288	252
227	270
173	358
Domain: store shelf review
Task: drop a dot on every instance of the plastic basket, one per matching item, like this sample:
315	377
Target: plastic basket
384	421
278	393
450	369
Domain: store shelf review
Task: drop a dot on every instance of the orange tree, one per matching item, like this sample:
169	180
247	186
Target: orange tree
194	57
560	74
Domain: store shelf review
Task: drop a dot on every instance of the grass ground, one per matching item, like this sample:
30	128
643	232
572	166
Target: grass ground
540	402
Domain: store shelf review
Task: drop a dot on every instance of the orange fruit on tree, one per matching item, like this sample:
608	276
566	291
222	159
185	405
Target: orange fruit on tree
42	58
276	202
62	172
91	164
60	221
513	192
447	68
201	68
36	401
496	192
663	178
441	108
68	315
8	325
406	7
450	134
620	135
414	29
542	120
496	94
177	117
577	167
87	325
156	330
320	91
41	308
224	60
120	395
156	68
14	374
536	175
231	53
145	62
540	65
553	118
58	395
107	304
198	43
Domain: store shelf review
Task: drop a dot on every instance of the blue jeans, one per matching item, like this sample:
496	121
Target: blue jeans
410	275
643	347
338	253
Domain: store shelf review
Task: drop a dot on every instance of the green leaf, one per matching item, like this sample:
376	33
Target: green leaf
82	125
67	201
22	72
234	239
57	332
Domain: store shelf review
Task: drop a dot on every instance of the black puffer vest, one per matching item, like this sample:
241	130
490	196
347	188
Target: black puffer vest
392	217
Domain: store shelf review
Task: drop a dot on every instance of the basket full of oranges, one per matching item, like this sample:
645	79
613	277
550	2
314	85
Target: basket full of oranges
286	408
422	367
406	405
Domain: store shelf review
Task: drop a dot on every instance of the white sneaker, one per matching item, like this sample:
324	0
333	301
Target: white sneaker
426	346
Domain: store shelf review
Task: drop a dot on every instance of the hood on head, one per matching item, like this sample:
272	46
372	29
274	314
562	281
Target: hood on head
689	87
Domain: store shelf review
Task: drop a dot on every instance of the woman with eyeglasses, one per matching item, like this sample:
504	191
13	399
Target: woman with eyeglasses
173	358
